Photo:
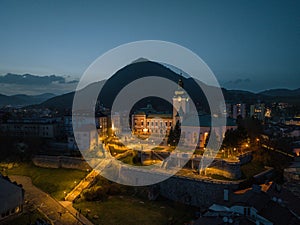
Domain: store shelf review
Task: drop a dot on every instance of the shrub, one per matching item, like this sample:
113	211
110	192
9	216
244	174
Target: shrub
96	193
114	189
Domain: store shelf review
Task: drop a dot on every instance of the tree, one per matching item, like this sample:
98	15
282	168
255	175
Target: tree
252	126
174	135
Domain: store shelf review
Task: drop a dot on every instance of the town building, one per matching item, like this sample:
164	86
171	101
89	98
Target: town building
236	110
104	124
154	123
31	127
190	134
295	121
11	198
86	137
257	205
258	111
148	121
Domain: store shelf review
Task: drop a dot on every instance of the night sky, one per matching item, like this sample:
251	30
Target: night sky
250	45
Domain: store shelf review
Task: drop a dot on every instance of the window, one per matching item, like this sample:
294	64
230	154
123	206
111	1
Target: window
195	138
246	211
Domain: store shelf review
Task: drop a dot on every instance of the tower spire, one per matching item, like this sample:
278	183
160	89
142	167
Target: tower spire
180	83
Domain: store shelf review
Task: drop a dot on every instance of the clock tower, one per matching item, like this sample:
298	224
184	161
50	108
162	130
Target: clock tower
180	103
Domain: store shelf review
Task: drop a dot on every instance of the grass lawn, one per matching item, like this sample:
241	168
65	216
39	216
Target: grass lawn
123	210
219	177
251	169
52	181
157	148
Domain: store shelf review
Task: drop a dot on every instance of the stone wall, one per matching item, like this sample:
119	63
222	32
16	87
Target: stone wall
228	169
195	192
231	170
192	191
60	162
245	158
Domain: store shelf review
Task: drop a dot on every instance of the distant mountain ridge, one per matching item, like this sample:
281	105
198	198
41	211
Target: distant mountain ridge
143	68
281	92
24	100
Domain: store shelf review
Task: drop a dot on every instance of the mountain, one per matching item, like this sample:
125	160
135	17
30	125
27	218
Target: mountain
144	68
24	100
59	102
281	92
138	69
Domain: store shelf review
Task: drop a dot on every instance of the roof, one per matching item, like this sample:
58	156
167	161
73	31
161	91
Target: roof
219	220
277	214
11	195
289	199
160	116
86	128
205	121
293	119
258	200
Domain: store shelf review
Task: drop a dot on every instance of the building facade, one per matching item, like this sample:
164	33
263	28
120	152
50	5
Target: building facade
41	127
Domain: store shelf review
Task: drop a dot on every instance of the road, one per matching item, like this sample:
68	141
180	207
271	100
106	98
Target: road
277	150
51	208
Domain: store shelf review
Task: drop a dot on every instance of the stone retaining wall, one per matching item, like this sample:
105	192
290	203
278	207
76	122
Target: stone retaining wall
60	162
200	193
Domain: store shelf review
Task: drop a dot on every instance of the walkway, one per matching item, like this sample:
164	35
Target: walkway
83	184
58	214
88	180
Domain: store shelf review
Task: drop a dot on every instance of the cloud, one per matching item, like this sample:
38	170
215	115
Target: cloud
11	84
29	79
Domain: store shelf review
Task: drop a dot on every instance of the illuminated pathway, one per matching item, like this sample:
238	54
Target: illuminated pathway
87	181
83	184
51	208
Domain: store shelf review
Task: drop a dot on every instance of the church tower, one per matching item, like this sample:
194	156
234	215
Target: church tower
180	103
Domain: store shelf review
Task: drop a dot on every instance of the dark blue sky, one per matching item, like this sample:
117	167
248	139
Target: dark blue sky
252	45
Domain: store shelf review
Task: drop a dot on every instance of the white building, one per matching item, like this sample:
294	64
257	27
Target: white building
86	137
